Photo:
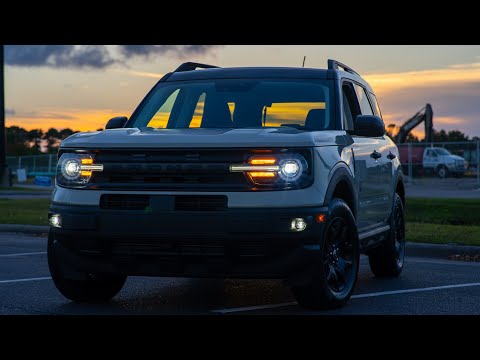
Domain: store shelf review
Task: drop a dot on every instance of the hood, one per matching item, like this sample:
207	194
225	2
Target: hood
453	157
195	138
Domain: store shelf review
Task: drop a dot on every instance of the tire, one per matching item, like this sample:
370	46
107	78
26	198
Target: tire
91	288
442	172
387	260
334	276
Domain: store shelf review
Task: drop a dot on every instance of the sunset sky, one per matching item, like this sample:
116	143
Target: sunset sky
81	87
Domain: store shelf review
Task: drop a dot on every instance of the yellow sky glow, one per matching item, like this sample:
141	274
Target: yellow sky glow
385	85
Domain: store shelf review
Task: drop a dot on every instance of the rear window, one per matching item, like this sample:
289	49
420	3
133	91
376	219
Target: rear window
238	103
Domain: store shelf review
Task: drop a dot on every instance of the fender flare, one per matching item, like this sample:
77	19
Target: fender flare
342	174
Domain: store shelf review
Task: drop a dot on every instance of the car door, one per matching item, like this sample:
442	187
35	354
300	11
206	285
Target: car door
431	159
389	153
369	168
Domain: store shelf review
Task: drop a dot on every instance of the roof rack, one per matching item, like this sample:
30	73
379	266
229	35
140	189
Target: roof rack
334	65
190	66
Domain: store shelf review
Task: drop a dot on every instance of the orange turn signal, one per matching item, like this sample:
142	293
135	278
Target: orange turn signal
86	173
261	174
262	161
320	218
87	161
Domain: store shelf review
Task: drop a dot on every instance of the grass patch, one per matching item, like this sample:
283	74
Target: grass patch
443	211
24	211
17	188
443	234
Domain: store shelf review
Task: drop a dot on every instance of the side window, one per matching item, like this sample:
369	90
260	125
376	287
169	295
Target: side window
363	100
350	105
375	105
198	112
160	119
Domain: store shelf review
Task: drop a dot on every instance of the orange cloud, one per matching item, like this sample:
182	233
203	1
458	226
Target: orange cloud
460	73
75	119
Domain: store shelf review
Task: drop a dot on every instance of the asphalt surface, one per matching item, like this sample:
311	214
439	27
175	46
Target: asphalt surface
426	286
449	188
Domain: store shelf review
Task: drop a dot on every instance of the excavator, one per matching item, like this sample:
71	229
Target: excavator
424	115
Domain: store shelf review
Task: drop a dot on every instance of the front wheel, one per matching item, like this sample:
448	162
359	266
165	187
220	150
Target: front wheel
442	172
335	274
88	288
387	259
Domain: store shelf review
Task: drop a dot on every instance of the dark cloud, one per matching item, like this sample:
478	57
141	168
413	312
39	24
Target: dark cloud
180	51
10	112
65	56
91	56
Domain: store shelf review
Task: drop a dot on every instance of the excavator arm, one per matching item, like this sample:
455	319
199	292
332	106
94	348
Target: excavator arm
425	115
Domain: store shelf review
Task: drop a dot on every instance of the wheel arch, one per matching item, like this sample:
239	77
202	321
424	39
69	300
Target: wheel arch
342	185
400	187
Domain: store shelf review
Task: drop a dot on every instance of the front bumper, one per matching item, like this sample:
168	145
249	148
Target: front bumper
237	243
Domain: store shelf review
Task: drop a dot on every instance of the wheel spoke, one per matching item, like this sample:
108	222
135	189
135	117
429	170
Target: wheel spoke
340	277
344	264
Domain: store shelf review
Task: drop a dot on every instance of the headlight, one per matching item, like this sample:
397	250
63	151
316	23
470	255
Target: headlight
277	171
75	170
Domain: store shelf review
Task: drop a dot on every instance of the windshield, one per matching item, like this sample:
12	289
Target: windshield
238	103
442	151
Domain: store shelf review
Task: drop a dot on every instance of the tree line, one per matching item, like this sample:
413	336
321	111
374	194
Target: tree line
31	142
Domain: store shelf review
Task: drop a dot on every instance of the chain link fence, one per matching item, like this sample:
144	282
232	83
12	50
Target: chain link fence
440	160
33	164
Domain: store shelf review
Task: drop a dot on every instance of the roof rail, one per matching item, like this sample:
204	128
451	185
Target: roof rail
334	65
189	66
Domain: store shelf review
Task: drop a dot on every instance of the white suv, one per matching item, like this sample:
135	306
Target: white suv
233	173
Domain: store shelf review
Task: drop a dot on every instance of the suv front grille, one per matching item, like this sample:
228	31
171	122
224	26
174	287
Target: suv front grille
206	170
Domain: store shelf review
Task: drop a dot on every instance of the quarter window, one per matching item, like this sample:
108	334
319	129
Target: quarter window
363	100
375	105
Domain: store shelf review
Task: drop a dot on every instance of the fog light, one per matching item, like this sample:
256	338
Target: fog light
298	224
56	220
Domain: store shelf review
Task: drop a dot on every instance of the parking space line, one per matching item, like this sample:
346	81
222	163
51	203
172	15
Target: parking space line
24	254
406	291
251	308
24	280
359	296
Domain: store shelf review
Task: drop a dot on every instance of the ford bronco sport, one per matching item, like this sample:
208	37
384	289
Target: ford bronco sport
255	172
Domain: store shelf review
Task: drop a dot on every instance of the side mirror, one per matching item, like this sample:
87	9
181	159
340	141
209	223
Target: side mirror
116	122
369	125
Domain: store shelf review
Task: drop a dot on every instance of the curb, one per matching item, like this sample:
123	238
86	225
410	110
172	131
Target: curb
29	229
439	250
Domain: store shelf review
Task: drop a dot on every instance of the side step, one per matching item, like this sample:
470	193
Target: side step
373	232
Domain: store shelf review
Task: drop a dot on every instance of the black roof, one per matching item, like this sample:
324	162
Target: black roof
252	72
187	71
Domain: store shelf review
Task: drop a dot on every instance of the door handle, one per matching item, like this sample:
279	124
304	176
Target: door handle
375	155
391	156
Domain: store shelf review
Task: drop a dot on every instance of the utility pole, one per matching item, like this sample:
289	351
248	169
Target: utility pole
4	173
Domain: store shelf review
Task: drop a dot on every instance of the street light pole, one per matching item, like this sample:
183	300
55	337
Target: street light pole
4	173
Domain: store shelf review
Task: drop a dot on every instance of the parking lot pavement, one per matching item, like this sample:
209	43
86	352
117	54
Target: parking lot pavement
449	188
426	286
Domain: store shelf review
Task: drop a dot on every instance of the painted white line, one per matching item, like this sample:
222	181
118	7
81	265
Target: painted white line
24	280
406	291
359	296
24	254
251	308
